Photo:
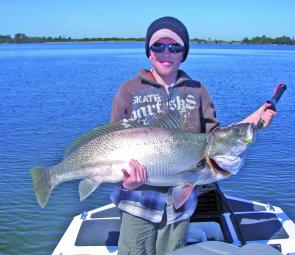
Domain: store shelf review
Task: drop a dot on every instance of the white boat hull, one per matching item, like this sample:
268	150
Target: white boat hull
98	231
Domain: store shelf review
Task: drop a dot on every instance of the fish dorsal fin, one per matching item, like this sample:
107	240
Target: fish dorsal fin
163	120
99	131
168	120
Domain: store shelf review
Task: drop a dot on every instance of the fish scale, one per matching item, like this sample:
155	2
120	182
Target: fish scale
164	153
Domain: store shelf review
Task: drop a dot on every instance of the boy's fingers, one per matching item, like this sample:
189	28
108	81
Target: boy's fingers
144	174
125	172
139	171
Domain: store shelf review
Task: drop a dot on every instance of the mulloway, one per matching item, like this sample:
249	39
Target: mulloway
172	156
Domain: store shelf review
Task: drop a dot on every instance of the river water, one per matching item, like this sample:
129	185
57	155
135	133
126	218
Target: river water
53	92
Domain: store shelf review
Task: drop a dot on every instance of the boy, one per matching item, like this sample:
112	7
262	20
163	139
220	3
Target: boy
150	224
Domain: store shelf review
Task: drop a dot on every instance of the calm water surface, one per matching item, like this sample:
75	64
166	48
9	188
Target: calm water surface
51	93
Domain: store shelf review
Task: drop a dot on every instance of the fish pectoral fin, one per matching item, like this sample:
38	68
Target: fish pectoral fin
192	170
180	194
201	164
86	187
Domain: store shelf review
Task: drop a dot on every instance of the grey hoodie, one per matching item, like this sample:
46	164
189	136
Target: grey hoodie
142	98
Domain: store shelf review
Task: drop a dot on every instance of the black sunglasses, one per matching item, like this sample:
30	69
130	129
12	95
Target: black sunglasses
172	47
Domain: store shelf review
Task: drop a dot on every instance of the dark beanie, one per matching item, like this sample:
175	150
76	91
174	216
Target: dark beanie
169	23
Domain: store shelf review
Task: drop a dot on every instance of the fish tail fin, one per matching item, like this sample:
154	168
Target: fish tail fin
42	185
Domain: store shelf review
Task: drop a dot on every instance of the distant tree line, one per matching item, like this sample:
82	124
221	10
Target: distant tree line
268	40
23	38
213	41
282	40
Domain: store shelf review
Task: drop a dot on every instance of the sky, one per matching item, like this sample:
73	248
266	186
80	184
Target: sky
214	19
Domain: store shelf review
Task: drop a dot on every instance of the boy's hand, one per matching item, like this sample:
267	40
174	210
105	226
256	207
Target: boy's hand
261	113
266	114
136	177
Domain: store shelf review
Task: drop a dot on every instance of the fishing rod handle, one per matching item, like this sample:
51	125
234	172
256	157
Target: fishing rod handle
279	91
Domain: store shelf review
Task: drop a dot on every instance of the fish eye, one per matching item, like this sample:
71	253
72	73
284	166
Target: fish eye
236	131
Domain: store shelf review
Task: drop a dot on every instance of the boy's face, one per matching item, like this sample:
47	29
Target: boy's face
166	63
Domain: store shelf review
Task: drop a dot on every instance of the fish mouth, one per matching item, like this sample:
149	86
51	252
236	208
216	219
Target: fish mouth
248	141
216	168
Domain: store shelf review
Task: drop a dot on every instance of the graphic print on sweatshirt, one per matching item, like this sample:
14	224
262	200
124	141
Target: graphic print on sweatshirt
145	107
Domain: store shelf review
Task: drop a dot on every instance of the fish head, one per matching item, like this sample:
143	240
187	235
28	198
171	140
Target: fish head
226	148
231	140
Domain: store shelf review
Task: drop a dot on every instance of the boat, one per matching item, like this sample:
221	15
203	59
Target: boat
219	219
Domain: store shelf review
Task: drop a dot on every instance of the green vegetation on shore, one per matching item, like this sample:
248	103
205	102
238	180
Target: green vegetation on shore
23	38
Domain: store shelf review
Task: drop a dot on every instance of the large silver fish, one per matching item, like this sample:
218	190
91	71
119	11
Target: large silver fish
172	156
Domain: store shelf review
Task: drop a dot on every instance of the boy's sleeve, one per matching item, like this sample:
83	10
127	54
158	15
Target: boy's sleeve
121	108
209	120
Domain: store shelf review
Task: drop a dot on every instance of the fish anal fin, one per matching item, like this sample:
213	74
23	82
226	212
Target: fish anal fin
180	194
86	187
